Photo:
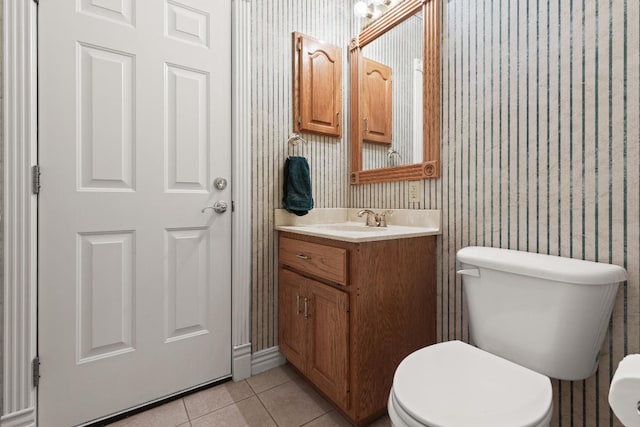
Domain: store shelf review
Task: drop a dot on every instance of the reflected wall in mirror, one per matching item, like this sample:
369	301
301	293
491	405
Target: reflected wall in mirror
395	56
395	95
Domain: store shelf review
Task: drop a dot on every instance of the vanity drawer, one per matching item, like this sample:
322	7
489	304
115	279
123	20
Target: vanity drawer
322	261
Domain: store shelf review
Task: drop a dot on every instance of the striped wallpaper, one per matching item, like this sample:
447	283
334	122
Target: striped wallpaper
273	22
540	152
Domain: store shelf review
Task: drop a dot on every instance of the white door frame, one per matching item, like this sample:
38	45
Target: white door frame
19	210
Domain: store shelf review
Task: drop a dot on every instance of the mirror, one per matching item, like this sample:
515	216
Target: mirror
395	95
392	96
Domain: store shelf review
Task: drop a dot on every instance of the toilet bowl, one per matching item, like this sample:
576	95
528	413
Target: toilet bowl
455	384
531	317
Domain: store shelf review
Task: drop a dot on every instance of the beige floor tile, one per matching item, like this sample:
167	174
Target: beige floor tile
171	414
247	413
294	403
272	378
381	422
332	419
217	397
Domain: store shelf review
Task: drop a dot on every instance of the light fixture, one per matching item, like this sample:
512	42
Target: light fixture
361	9
371	10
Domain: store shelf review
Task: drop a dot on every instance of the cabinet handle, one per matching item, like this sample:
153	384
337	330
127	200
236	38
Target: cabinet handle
302	256
338	119
297	304
366	124
306	308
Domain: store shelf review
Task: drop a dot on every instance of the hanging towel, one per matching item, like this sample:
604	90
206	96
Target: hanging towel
297	197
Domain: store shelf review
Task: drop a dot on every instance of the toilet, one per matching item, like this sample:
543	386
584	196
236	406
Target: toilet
531	317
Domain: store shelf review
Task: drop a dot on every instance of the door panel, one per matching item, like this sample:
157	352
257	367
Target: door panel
106	289
186	284
134	280
187	129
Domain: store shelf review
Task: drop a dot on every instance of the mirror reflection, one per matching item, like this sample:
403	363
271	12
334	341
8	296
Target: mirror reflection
392	111
395	95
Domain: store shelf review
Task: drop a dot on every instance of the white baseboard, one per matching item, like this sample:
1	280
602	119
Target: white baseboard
241	362
24	418
266	359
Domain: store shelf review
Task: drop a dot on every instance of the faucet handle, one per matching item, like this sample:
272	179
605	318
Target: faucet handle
382	218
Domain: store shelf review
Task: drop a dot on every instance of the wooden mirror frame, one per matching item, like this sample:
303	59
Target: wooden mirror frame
430	167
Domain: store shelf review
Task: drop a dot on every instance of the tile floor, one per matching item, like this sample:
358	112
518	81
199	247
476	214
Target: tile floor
276	398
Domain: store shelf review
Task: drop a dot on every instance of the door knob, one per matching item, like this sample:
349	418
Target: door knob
218	207
220	183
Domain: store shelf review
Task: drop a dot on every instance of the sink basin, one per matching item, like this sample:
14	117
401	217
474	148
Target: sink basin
351	227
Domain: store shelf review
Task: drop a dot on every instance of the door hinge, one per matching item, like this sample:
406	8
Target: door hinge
233	206
35	370
35	179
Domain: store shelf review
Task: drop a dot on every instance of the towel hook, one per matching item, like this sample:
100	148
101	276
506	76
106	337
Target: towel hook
294	140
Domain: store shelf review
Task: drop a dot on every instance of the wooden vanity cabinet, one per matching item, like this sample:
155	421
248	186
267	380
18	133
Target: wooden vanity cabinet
350	312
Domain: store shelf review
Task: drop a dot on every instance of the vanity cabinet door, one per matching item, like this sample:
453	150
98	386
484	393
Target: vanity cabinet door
292	334
377	102
328	334
317	67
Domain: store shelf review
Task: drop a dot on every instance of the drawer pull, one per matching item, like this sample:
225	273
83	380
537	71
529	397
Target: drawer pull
306	308
303	256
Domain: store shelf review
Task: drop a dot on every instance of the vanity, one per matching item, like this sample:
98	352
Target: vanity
354	301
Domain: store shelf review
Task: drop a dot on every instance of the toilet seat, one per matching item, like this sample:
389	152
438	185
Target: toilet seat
455	384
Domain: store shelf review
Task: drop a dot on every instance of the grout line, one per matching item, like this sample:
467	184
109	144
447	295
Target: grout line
271	388
267	409
320	416
184	405
222	407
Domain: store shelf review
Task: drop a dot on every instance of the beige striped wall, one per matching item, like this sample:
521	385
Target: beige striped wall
273	22
540	147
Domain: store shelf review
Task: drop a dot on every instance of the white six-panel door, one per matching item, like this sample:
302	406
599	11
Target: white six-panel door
134	126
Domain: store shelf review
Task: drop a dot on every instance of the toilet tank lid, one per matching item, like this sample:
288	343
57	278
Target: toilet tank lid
547	267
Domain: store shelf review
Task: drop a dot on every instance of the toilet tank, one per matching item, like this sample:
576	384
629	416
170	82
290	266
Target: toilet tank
544	312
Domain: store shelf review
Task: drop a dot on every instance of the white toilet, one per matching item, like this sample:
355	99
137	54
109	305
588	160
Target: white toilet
531	317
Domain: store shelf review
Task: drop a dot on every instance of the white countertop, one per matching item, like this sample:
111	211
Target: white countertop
344	224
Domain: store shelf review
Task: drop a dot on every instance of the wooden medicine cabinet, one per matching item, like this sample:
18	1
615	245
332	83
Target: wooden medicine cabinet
317	86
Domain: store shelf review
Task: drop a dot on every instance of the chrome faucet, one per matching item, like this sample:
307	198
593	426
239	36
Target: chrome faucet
375	219
372	217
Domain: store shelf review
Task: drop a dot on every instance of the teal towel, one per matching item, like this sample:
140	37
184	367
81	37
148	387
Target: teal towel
296	196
